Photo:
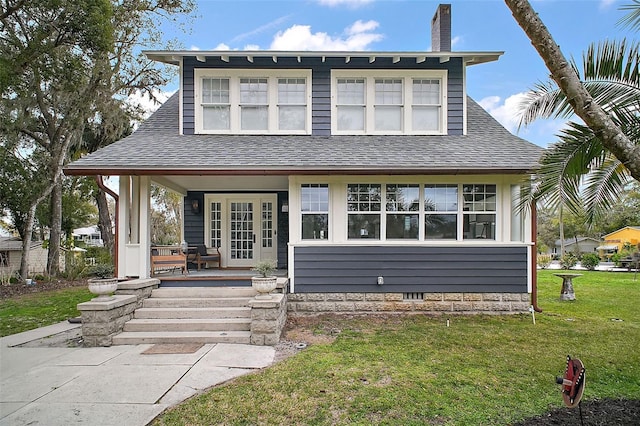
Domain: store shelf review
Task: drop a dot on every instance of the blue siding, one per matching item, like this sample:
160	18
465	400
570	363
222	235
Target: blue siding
321	83
355	269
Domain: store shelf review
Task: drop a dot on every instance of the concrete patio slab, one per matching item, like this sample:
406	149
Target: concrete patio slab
37	382
7	408
111	386
129	384
87	414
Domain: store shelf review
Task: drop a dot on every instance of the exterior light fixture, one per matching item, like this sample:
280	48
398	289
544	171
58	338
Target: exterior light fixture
195	206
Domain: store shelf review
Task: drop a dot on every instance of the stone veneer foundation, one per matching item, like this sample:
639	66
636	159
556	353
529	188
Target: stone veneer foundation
440	303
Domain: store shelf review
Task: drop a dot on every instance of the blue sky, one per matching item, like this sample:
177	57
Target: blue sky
404	25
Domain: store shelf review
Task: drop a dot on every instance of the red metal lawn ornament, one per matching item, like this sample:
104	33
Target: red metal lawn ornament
572	382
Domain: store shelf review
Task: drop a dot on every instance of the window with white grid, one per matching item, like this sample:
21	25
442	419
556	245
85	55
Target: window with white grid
252	101
389	102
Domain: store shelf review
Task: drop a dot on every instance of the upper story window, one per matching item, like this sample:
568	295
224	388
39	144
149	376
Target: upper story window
252	101
389	102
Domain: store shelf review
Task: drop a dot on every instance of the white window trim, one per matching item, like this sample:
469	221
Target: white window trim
338	210
407	77
234	76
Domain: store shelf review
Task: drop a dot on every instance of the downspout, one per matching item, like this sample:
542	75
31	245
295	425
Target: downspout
107	190
534	258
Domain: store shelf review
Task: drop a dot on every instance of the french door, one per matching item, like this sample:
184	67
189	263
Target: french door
243	226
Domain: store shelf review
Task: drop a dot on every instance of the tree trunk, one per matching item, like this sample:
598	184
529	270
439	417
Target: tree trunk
28	229
561	226
569	83
55	230
104	222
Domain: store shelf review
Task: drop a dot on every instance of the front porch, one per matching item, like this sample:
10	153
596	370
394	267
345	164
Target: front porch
225	277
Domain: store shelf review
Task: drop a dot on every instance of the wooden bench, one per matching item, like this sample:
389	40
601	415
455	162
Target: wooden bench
168	257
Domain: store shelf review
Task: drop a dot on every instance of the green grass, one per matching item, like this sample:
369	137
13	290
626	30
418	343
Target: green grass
35	310
482	370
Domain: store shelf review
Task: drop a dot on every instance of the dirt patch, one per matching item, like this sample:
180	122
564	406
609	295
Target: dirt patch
8	291
602	412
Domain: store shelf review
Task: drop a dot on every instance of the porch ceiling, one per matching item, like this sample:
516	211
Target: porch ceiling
185	183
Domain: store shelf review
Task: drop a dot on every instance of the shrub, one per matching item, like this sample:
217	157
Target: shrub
590	261
568	261
265	267
544	260
101	270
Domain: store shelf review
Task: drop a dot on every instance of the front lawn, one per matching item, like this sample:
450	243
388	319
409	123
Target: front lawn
481	370
33	310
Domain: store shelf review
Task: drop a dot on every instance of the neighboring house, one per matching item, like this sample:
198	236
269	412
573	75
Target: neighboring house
89	237
575	245
615	241
364	174
11	256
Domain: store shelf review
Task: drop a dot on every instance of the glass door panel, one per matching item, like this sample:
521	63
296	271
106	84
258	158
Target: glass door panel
241	233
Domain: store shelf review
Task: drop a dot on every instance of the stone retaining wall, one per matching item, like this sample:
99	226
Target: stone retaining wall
103	320
268	317
461	303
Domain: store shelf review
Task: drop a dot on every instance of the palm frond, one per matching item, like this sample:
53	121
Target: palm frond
610	74
603	186
632	19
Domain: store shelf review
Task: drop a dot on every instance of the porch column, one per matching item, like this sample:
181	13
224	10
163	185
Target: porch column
144	204
123	224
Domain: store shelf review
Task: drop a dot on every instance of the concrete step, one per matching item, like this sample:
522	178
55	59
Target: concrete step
193	313
186	325
203	292
137	338
189	302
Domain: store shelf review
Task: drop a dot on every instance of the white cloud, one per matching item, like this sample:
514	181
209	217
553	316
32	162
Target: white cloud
358	36
542	132
148	105
605	4
507	112
222	46
251	47
275	23
455	41
194	47
349	3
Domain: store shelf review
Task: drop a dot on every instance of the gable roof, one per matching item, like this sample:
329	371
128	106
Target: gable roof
634	228
157	148
571	241
15	244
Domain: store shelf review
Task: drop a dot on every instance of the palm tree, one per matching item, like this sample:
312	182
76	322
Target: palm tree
578	171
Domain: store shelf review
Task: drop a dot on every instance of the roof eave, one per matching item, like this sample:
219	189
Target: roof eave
174	57
277	171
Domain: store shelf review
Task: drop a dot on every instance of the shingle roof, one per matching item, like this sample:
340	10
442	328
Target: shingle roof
15	244
157	148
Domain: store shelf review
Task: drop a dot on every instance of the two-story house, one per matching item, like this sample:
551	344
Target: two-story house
364	174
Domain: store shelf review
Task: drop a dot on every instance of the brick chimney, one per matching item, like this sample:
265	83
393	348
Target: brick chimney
441	29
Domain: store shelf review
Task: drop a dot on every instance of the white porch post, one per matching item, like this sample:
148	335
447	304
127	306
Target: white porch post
144	203
123	224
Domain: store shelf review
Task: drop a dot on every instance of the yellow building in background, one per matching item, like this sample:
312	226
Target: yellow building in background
628	234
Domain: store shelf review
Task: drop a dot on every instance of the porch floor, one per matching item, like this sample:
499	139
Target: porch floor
210	277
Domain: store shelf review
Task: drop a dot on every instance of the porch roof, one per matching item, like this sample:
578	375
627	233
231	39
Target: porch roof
157	148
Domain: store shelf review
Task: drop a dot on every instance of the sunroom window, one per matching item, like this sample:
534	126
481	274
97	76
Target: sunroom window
315	211
441	212
403	207
364	203
479	211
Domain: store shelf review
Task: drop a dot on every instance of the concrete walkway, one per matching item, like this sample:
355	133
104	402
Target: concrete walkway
118	385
